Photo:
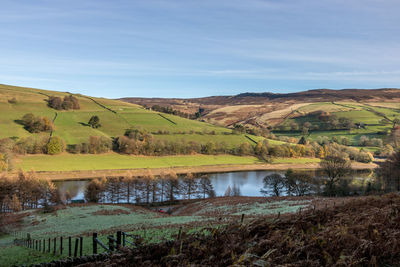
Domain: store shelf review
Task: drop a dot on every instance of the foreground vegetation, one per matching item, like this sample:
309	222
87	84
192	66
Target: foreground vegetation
361	232
153	227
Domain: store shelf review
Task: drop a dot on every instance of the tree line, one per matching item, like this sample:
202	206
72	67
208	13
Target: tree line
26	191
149	188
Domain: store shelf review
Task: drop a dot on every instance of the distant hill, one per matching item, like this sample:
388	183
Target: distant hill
249	107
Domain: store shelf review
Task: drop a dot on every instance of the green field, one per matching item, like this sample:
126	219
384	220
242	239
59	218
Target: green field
110	161
115	117
357	112
70	125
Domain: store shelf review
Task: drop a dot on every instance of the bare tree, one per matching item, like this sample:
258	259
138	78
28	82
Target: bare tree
275	182
335	168
172	185
190	185
206	187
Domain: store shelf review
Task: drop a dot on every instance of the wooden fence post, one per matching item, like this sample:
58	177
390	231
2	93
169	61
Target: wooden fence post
61	245
48	247
81	246
76	248
111	242
69	247
44	245
118	239
123	239
55	245
94	243
242	219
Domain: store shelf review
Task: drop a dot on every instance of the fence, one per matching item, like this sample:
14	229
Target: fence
52	245
114	242
75	244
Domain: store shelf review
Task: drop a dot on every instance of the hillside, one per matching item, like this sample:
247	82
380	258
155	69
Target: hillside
115	117
169	135
376	109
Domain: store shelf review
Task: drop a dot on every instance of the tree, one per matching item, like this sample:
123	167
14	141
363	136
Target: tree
55	145
303	141
389	172
206	187
15	205
275	182
94	191
335	168
172	186
94	122
364	141
298	183
190	185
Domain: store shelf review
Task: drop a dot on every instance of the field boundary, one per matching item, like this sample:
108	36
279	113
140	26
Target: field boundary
171	121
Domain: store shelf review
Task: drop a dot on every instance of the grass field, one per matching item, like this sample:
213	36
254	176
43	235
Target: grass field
357	112
71	162
153	227
115	117
70	125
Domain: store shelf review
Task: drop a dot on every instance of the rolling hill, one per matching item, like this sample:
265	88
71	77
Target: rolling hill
375	108
115	117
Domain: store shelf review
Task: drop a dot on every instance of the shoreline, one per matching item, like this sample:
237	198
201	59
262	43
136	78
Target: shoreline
204	169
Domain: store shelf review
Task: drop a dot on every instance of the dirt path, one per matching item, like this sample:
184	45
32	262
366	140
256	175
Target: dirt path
91	174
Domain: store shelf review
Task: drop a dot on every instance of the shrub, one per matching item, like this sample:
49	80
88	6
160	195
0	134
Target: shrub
94	122
69	102
36	124
12	100
55	145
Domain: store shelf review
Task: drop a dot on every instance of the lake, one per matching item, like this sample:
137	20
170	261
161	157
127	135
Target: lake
249	182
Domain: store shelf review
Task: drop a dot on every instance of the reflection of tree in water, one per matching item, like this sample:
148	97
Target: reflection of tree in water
233	191
74	189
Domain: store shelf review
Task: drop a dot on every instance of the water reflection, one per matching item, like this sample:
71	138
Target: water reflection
249	182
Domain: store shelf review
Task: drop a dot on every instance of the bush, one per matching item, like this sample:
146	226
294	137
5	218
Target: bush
94	122
12	100
55	145
69	102
36	124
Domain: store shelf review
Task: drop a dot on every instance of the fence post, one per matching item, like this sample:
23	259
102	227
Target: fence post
76	248
36	245
55	245
94	241
242	219
61	245
40	245
48	247
123	239
118	239
111	242
81	246
69	247
44	245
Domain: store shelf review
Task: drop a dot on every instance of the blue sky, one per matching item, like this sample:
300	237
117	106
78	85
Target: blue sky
171	48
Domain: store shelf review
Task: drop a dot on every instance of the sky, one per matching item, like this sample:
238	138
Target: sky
187	48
